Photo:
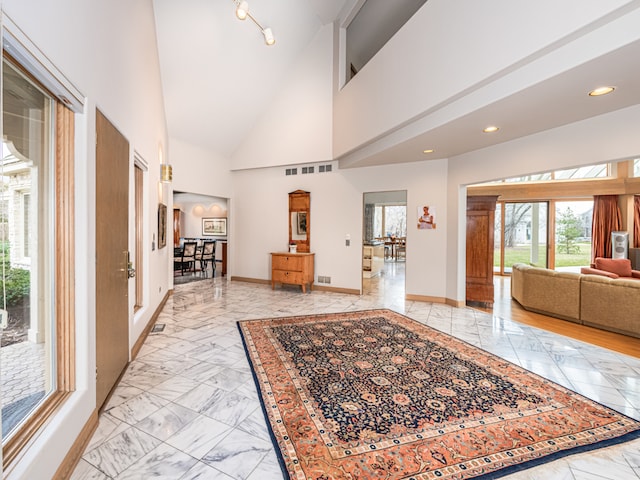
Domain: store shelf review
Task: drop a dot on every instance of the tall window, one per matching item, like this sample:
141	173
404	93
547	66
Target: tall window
27	166
390	220
36	242
520	235
573	234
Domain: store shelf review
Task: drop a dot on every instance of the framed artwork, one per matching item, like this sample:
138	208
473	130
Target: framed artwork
162	225
214	226
302	223
426	217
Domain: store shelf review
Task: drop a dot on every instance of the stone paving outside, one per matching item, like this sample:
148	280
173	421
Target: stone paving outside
21	371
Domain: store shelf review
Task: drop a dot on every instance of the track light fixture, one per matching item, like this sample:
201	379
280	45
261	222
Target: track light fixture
242	12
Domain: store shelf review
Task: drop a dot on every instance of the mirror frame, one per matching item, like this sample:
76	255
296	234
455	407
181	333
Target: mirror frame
300	203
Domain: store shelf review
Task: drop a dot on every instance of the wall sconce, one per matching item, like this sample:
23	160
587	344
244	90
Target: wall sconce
166	173
242	12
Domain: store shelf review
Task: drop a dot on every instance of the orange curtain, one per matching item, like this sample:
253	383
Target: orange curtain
606	219
636	221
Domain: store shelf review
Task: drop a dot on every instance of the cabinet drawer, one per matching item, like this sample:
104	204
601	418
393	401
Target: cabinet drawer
286	276
286	262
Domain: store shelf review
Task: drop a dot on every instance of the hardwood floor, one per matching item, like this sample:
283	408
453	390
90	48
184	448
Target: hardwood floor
505	306
391	283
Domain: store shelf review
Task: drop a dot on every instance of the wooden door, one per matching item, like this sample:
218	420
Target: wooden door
480	233
112	220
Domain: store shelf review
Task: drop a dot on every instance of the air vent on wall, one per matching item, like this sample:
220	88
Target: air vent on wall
324	168
307	170
291	171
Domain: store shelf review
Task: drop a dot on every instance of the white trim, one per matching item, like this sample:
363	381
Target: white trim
27	54
140	161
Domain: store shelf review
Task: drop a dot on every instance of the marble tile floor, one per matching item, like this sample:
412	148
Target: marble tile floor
187	407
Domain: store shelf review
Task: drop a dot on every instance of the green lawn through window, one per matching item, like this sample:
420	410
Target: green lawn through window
521	254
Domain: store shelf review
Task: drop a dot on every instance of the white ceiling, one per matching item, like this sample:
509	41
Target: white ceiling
219	77
557	101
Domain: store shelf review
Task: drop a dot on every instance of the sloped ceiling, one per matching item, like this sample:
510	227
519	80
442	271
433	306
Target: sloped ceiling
219	78
218	75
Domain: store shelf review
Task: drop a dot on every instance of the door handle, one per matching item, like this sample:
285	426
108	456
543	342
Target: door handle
131	272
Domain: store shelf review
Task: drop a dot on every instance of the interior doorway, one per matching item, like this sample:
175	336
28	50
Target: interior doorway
384	242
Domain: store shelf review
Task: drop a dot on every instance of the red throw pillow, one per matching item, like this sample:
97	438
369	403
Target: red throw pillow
619	266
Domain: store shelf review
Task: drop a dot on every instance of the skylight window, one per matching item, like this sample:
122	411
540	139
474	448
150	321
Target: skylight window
590	171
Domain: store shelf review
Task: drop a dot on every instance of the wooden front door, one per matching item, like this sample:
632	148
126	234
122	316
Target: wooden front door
112	220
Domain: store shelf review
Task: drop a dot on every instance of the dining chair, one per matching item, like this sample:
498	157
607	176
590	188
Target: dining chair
208	254
187	258
401	249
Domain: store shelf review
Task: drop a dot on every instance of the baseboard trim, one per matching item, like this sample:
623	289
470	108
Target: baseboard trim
348	291
147	329
322	288
250	280
455	303
429	299
71	460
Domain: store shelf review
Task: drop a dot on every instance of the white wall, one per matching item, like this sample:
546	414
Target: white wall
260	210
197	170
297	126
107	51
444	53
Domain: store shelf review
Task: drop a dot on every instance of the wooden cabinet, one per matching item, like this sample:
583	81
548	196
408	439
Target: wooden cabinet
293	268
223	250
177	227
480	228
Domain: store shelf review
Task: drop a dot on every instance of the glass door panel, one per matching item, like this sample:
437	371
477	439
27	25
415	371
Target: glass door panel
27	249
573	235
522	234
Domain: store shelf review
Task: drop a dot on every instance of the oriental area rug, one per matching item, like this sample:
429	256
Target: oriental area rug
376	395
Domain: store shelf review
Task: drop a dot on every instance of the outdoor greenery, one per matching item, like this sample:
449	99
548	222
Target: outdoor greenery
17	280
568	229
580	256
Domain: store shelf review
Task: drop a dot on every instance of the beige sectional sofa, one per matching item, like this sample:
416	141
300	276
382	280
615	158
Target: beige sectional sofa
594	300
611	304
546	291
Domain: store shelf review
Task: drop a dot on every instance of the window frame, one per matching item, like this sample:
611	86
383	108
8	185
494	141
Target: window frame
63	276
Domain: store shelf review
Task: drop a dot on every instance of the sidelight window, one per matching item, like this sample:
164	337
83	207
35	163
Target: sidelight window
36	256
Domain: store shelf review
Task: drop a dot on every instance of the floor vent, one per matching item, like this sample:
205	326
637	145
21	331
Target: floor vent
158	327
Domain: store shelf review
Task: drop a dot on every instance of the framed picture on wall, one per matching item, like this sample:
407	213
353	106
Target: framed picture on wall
214	226
426	217
162	225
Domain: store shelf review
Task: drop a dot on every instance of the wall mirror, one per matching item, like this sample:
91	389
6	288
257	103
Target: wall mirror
300	220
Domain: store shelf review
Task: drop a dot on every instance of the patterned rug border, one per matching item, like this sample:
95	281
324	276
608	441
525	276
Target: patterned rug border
630	436
263	406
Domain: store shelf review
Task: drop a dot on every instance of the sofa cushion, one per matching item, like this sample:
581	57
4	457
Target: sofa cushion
619	266
595	271
546	291
610	304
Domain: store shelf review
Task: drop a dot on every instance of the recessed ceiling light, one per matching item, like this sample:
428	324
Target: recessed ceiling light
601	91
430	150
491	129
